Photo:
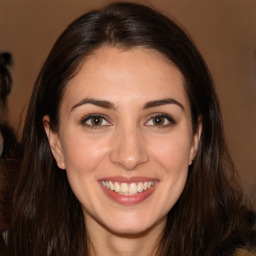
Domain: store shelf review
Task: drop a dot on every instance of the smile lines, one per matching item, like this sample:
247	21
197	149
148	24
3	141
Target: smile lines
128	189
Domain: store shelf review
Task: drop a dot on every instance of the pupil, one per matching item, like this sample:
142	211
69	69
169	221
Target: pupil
158	120
96	121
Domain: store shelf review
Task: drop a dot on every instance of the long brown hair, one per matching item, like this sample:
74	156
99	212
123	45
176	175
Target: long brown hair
208	219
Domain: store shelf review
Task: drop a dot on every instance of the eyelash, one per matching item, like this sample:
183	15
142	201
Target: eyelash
167	118
90	117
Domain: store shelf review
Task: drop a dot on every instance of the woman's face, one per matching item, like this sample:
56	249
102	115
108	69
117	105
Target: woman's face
125	139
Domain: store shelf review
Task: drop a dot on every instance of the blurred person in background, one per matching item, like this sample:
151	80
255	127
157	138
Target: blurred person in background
9	147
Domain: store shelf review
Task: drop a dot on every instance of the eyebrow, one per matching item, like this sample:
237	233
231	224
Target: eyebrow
99	103
161	102
109	105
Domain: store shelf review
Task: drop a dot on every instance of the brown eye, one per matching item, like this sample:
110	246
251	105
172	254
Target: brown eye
158	120
95	121
161	120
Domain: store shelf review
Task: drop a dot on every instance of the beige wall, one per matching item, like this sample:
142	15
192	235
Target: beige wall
225	32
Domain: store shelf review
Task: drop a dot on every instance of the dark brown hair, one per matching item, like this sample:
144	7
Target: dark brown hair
208	219
9	158
5	76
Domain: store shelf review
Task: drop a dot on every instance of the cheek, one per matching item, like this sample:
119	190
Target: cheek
173	153
173	159
83	155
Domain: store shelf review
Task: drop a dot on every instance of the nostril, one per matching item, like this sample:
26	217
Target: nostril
128	149
129	158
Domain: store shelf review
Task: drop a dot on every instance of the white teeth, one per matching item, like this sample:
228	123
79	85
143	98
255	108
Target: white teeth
124	188
150	184
145	185
117	187
127	189
111	186
133	188
140	187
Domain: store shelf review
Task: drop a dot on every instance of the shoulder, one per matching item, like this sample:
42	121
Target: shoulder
244	252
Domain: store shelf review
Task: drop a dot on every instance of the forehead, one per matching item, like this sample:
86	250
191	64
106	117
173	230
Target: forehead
126	75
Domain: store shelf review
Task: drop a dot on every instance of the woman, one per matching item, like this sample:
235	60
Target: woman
124	148
9	148
5	89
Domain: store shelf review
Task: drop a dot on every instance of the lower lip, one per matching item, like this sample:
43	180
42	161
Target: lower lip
128	200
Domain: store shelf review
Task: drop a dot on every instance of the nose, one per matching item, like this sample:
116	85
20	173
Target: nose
129	149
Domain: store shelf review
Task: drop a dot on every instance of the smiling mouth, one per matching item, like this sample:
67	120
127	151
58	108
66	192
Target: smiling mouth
128	189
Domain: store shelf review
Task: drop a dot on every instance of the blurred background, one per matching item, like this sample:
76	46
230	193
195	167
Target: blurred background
224	31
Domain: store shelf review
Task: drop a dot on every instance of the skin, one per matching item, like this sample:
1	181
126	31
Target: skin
129	142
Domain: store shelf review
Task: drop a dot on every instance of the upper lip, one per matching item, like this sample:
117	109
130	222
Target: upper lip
128	179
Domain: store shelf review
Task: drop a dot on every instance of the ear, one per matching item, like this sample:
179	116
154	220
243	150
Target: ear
54	142
196	140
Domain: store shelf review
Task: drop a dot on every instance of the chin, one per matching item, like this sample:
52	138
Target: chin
134	226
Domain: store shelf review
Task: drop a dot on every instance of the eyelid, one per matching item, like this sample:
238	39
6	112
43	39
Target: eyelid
90	116
168	117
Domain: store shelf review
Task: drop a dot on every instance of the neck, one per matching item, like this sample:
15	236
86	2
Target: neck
107	243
